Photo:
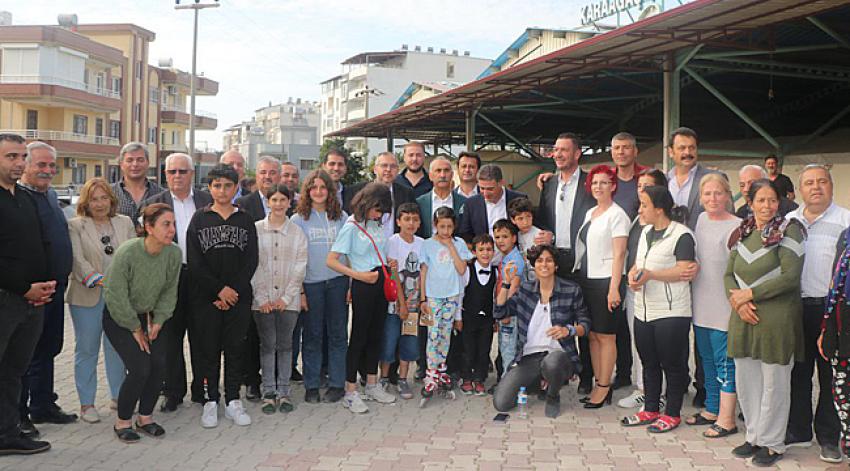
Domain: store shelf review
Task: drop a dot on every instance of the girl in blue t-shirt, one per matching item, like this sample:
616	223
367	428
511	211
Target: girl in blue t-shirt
442	266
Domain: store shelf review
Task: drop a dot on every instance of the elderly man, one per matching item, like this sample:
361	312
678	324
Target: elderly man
746	176
468	164
413	176
386	171
134	186
779	179
487	207
441	174
268	176
824	221
37	388
180	173
234	159
25	287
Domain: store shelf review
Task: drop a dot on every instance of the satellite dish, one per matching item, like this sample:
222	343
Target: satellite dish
651	10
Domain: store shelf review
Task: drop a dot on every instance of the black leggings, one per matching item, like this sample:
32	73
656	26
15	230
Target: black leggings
369	311
144	371
662	345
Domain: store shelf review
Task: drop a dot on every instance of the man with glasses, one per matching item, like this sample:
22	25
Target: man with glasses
25	287
179	174
386	170
134	186
38	395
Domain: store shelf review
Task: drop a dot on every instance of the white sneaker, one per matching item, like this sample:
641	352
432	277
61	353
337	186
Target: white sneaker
353	403
235	412
90	415
377	393
209	418
635	399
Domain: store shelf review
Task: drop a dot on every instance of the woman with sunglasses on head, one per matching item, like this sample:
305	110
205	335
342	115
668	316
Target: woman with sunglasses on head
95	234
140	294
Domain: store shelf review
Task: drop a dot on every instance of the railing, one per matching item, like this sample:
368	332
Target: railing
47	135
182	109
49	80
175	147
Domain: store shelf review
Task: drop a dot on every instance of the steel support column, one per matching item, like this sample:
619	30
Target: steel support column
390	140
470	130
672	80
510	136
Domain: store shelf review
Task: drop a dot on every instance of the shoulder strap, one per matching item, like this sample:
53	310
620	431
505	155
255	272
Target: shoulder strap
381	259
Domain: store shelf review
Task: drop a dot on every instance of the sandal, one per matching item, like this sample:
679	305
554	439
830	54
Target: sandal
126	435
269	405
641	418
152	429
699	419
664	424
719	431
286	405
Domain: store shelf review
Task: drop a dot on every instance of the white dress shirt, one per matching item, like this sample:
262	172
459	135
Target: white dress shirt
496	211
681	194
564	201
437	203
183	212
470	194
265	203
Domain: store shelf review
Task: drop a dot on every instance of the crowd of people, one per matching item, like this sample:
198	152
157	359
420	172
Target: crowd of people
601	282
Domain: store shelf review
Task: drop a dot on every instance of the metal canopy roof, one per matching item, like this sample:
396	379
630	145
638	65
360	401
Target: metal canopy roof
772	58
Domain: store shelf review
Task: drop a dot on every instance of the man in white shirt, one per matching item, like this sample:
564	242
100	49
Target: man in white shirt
468	164
683	179
824	221
441	175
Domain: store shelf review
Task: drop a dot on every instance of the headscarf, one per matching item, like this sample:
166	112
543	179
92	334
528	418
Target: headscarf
771	234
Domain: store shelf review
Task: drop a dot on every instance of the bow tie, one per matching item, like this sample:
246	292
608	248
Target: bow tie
484	272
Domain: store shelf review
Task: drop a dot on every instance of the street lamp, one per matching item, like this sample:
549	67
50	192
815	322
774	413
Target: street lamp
197	6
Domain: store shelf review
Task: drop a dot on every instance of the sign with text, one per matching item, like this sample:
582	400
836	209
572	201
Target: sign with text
600	9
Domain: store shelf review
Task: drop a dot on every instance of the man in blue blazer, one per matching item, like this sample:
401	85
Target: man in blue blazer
489	205
441	174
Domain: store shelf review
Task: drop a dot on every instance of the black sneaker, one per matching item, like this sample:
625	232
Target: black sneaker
699	399
766	457
53	415
252	393
793	441
28	430
296	376
333	395
745	450
22	446
830	454
170	403
312	396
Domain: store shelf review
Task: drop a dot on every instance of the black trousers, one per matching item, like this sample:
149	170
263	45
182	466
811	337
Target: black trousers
37	390
624	345
144	370
477	340
180	323
826	423
251	373
456	356
222	331
20	330
663	348
369	312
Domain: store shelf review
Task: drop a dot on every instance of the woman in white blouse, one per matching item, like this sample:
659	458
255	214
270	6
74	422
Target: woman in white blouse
277	296
600	257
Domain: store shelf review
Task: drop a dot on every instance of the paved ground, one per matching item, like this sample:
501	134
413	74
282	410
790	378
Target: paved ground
445	435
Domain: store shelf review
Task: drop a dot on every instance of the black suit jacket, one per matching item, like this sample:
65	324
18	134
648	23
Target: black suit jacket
201	199
401	194
545	217
474	220
253	205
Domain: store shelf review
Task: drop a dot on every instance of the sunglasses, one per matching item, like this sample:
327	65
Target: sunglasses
181	171
108	249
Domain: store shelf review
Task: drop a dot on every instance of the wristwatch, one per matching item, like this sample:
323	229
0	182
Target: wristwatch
572	330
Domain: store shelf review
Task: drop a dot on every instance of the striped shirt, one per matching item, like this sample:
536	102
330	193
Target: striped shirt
822	236
566	307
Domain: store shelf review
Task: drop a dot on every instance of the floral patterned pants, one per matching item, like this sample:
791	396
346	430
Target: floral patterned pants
443	312
841	398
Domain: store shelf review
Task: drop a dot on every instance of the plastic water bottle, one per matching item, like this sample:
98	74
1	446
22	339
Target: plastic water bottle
522	403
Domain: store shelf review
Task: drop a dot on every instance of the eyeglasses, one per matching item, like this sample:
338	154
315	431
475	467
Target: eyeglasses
181	171
108	249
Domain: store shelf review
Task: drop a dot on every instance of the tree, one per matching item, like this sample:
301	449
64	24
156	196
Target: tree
357	170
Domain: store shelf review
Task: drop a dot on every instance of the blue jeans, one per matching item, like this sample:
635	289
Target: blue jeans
88	329
507	342
719	369
408	345
326	306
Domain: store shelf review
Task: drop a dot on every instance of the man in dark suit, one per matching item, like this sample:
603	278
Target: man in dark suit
179	174
256	205
386	170
491	204
441	174
563	205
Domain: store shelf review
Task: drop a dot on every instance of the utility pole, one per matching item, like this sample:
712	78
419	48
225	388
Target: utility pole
197	6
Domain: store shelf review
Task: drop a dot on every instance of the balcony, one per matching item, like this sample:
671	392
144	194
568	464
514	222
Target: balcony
47	89
172	114
67	142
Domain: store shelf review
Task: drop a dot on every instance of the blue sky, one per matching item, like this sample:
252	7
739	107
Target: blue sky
269	50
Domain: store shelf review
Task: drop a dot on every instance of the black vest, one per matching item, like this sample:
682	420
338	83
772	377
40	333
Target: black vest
478	297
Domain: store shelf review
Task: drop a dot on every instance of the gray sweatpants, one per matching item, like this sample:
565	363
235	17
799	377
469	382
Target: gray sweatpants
764	392
275	332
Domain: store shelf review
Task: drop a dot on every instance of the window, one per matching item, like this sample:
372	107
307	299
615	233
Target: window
98	170
116	84
162	137
450	70
138	70
137	112
307	164
79	174
98	130
152	135
115	129
81	124
174	138
32	119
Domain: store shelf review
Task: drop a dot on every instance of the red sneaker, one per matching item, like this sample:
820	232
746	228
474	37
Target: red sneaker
479	389
467	387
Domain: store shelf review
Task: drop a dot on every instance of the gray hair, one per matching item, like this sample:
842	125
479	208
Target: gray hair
132	147
440	158
39	145
490	173
757	168
808	167
268	159
179	155
624	136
